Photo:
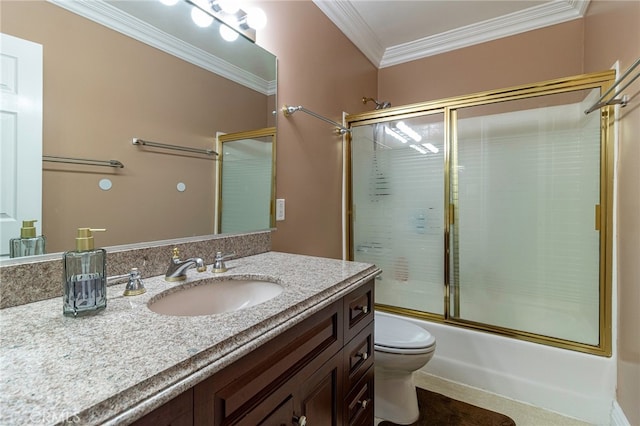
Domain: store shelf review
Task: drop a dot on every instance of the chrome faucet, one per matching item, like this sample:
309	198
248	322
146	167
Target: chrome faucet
218	263
177	270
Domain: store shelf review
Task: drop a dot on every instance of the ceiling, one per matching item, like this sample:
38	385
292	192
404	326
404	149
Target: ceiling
391	32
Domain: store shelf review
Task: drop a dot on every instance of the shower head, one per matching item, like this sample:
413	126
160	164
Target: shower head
379	105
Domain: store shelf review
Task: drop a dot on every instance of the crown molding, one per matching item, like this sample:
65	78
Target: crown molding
115	19
349	21
536	17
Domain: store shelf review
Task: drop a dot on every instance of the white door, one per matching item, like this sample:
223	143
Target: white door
21	136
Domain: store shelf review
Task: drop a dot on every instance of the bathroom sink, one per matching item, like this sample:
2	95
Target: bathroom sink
211	296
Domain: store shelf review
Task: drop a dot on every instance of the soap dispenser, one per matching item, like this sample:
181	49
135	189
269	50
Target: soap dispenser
85	276
28	244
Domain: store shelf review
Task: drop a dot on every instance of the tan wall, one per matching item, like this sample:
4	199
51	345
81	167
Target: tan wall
539	55
612	33
101	89
320	69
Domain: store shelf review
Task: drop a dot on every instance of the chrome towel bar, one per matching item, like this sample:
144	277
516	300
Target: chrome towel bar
138	141
85	161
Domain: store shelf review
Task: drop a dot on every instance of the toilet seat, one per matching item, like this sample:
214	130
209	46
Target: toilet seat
394	335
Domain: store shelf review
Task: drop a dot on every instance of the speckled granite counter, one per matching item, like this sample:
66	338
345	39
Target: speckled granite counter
116	366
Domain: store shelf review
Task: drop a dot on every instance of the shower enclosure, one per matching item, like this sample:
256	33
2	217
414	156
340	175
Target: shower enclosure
491	211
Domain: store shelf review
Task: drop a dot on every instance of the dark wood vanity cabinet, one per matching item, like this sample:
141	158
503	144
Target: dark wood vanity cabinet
319	373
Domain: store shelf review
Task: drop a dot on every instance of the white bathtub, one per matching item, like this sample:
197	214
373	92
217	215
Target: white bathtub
567	382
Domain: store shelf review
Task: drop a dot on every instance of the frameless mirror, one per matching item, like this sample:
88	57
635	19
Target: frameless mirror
118	70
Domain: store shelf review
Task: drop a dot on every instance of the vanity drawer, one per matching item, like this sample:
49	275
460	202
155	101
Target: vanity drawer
358	310
358	356
358	405
238	390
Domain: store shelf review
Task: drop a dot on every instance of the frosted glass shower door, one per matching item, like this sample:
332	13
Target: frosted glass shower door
525	250
398	215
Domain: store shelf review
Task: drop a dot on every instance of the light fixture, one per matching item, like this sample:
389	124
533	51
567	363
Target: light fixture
256	18
229	13
229	7
169	2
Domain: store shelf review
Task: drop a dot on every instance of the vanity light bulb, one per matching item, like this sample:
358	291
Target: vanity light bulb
169	2
229	6
256	18
200	18
227	33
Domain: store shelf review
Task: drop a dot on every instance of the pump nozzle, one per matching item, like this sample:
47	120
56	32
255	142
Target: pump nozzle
28	230
84	239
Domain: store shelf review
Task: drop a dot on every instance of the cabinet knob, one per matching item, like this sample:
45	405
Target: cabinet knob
363	355
364	403
300	421
364	309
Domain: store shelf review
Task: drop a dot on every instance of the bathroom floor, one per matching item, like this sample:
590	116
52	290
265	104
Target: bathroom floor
522	414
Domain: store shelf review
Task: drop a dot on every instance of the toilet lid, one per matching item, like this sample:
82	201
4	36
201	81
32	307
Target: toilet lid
396	333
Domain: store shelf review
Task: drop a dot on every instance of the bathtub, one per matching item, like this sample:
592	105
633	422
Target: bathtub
570	383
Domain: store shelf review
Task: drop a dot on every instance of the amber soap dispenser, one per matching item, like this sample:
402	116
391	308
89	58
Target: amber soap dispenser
85	276
28	244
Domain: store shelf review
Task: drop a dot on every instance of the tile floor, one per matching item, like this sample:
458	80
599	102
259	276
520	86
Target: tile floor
522	414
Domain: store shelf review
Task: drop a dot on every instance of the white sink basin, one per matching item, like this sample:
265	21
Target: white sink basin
210	296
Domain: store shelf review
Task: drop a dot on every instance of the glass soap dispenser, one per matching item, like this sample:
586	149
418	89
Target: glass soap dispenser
85	276
28	244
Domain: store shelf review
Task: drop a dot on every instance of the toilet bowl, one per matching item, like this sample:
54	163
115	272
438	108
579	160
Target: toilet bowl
400	349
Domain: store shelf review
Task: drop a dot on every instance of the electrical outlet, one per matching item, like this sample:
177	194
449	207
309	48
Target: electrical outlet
280	209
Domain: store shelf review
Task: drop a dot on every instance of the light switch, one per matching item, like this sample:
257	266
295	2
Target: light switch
280	209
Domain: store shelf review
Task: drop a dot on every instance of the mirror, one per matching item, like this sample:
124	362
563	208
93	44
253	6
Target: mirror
157	77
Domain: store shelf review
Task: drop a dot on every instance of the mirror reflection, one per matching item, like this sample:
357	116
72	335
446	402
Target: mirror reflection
101	88
246	181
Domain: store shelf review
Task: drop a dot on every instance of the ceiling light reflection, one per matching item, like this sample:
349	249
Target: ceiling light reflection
201	18
431	147
390	132
228	34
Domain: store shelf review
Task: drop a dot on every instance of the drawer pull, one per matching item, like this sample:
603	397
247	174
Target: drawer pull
300	421
364	403
363	355
364	309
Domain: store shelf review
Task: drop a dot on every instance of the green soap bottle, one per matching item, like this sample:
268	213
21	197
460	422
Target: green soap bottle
28	244
84	276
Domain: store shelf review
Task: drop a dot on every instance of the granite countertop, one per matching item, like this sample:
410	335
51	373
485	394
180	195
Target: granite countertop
114	367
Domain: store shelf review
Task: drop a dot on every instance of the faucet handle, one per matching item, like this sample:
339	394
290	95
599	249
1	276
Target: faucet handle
224	256
135	286
176	253
218	263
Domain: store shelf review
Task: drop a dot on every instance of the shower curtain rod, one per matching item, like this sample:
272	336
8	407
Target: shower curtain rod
614	99
289	110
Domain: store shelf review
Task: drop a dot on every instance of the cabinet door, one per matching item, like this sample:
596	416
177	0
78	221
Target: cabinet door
319	398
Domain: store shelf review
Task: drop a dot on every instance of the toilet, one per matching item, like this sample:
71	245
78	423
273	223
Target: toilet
401	348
